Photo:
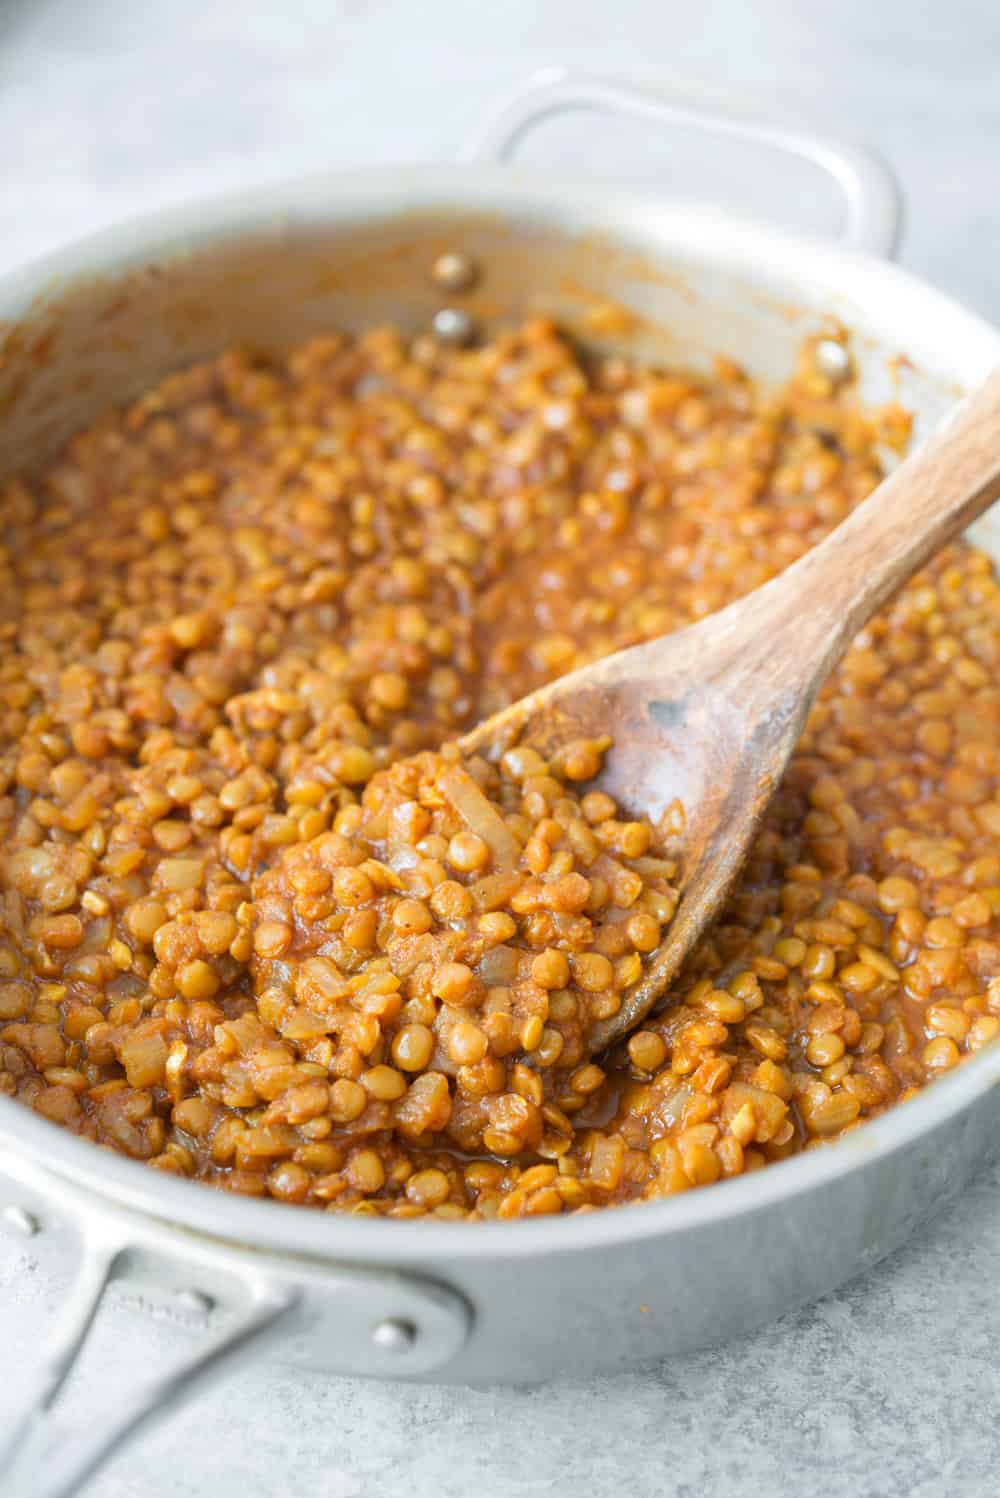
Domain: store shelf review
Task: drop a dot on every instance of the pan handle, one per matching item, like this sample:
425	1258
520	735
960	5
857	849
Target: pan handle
35	1462
871	198
345	1318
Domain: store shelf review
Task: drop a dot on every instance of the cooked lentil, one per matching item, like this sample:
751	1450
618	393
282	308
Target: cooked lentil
499	914
249	933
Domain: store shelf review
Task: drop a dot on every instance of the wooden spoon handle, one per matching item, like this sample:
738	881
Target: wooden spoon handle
828	595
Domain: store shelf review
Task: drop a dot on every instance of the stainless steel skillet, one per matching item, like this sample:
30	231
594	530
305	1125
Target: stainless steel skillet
667	280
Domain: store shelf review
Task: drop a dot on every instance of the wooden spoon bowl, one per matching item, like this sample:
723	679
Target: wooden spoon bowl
710	715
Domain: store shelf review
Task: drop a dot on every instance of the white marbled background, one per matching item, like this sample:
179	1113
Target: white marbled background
887	1389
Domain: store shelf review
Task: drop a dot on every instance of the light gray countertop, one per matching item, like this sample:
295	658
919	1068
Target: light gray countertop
888	1388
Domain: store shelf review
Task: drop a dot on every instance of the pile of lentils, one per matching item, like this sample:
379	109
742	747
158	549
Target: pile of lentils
261	923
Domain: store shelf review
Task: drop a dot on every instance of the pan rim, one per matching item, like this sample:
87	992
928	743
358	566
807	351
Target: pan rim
967	347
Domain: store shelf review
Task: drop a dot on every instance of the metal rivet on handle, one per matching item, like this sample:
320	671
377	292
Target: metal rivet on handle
455	272
833	359
452	325
21	1221
394	1335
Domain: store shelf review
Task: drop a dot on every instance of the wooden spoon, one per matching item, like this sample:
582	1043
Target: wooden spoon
710	715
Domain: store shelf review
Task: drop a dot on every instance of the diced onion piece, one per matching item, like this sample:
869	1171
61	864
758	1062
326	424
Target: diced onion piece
607	1157
480	815
144	1055
498	965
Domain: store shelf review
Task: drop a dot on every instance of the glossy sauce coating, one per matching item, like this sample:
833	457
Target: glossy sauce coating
231	609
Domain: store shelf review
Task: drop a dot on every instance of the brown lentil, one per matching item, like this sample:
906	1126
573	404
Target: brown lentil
260	926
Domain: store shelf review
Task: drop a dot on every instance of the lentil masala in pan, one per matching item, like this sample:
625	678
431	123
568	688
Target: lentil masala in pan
262	927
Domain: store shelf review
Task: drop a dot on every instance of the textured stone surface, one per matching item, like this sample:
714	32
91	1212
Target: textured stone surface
888	1388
